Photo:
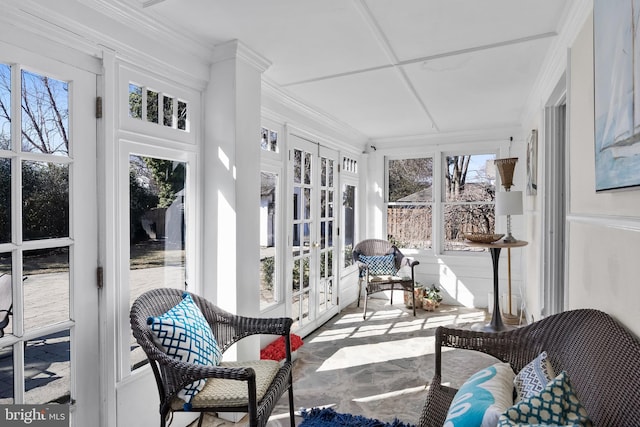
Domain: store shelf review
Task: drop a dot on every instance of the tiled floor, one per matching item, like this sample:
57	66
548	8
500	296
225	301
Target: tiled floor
378	367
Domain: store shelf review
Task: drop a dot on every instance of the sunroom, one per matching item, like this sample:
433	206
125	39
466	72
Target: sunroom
239	150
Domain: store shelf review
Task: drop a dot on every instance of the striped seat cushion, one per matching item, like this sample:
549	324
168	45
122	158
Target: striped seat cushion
220	392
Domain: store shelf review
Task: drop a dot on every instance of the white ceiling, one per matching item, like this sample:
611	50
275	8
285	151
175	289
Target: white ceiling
388	68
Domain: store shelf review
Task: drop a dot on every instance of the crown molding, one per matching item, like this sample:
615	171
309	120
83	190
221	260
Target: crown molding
235	49
555	63
306	114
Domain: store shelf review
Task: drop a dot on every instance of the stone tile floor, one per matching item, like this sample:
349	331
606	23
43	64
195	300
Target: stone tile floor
379	367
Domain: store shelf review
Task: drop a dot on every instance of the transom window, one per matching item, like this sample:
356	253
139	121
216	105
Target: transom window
156	107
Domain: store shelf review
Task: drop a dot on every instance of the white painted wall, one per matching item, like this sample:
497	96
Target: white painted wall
604	228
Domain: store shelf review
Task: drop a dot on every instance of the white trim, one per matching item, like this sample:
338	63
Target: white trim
624	223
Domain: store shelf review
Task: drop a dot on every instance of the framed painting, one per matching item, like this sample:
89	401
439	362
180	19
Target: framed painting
532	164
616	93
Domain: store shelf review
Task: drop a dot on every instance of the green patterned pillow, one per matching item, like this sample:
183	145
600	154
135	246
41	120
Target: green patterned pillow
557	404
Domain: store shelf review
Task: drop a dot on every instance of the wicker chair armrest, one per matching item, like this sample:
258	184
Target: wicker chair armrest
517	346
436	406
409	262
264	325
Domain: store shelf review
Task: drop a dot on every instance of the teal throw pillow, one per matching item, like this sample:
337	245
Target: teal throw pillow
380	265
557	404
184	334
482	398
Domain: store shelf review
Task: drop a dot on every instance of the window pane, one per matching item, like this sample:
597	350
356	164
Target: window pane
470	178
6	375
349	208
273	141
45	114
410	180
135	101
46	287
466	218
5	200
157	228
168	111
469	192
268	216
47	369
182	115
5	107
409	226
152	106
45	200
6	294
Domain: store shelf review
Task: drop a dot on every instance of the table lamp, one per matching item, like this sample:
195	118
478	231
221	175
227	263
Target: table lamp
508	202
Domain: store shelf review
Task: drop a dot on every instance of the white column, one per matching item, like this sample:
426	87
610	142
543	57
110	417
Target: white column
232	183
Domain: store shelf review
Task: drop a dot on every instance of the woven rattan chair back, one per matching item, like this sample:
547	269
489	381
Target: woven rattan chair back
601	358
374	284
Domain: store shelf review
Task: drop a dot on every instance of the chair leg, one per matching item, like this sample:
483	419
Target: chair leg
200	419
359	290
366	297
391	296
292	416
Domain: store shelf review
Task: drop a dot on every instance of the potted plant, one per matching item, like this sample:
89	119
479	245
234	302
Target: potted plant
432	298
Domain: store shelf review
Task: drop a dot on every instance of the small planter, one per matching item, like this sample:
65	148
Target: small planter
429	304
431	299
419	292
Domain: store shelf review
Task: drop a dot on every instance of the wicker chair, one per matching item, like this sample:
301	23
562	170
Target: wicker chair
378	283
600	356
172	375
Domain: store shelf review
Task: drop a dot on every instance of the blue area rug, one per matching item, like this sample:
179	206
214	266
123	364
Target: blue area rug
317	417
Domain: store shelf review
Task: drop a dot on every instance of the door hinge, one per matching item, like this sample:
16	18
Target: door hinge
100	277
98	107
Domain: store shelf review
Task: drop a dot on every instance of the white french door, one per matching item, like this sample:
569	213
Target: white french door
48	235
313	242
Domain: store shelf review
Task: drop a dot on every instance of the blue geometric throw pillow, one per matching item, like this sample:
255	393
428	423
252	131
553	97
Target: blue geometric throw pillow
380	265
184	334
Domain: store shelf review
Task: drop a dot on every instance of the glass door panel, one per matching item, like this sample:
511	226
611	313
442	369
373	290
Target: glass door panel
48	238
313	284
157	227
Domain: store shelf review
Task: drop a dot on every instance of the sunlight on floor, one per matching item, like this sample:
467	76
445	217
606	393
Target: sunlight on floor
390	394
358	355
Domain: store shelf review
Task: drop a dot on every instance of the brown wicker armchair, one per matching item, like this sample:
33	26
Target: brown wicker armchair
600	356
172	375
374	280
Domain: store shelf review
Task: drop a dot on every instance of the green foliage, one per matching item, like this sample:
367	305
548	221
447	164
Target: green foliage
169	176
45	200
433	293
267	266
141	199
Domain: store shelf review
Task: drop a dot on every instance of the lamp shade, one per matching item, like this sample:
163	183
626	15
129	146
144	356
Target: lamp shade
509	203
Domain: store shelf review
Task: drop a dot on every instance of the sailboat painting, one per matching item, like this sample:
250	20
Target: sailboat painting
617	93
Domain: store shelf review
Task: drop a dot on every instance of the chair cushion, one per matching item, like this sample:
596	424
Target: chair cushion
534	377
184	334
556	404
220	392
380	265
482	398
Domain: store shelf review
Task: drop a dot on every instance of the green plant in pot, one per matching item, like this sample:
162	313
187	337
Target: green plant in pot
433	294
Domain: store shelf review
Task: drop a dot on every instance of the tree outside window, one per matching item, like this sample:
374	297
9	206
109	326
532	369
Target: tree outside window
410	199
468	198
